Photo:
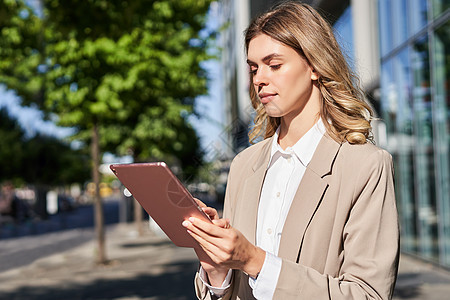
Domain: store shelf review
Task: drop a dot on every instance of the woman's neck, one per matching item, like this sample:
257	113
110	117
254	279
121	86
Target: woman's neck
294	127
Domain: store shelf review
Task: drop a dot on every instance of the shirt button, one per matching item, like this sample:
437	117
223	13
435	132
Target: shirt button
269	230
289	159
278	194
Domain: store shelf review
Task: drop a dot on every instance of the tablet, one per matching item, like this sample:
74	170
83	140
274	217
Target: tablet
162	196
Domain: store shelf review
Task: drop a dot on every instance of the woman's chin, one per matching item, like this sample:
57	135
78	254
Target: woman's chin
273	111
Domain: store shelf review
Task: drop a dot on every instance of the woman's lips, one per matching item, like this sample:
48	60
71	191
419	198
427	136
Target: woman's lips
266	97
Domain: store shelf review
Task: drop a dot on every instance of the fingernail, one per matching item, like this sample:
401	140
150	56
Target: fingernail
191	219
185	223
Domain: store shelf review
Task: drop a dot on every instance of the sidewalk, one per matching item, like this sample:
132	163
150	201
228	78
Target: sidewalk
151	267
418	280
148	267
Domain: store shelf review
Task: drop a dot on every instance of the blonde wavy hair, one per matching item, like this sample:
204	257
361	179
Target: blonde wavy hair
300	27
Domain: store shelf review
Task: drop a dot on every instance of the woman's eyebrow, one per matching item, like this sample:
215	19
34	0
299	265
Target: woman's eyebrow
266	59
251	63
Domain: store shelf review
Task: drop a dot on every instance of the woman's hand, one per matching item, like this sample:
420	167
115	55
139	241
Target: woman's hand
225	246
216	273
211	212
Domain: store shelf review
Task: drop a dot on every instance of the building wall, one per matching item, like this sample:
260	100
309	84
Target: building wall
235	16
415	67
402	53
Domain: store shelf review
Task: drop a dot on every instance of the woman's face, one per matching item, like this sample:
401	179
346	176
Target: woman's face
282	79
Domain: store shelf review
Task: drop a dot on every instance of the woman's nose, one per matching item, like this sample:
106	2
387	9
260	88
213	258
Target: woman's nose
260	78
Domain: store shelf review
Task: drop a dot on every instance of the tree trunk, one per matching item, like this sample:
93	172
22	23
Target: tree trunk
98	204
40	206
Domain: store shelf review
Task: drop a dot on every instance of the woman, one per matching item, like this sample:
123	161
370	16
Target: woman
310	211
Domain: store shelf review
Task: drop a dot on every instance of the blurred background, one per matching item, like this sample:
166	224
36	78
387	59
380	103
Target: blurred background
84	84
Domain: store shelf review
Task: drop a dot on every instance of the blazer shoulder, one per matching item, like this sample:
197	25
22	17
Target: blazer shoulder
361	152
253	152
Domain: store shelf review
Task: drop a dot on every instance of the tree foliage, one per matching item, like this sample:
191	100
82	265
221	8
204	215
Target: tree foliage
132	67
21	50
40	160
12	139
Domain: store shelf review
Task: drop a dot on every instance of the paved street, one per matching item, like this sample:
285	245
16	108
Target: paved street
148	267
20	252
79	217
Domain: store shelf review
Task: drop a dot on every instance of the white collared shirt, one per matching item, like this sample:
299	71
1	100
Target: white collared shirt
284	173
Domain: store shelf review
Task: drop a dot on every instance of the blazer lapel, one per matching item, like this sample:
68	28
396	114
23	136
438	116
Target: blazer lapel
247	210
307	198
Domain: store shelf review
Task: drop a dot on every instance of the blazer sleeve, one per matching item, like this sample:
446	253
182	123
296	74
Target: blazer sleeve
370	244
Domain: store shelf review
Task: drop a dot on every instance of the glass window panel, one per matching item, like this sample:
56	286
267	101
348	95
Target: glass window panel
400	32
424	152
343	29
385	24
442	129
391	106
389	101
417	15
439	6
404	156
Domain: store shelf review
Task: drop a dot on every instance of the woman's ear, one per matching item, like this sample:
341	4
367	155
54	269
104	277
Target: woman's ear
314	75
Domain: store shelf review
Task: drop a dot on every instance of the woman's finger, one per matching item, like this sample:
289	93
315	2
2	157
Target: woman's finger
211	212
224	223
210	249
215	244
212	235
200	203
208	228
221	252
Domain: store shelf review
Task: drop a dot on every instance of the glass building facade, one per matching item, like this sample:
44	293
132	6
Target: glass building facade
412	71
415	105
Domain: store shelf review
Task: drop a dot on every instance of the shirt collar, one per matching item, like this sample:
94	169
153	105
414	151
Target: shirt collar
304	148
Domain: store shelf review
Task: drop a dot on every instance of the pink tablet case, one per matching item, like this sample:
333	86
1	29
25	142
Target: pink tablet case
163	196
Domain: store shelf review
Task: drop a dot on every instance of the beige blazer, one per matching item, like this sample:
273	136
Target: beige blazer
341	237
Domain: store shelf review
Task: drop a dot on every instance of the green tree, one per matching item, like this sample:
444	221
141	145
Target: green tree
124	73
21	51
41	160
12	139
49	161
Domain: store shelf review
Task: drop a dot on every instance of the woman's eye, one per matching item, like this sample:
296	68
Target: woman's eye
253	71
275	67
